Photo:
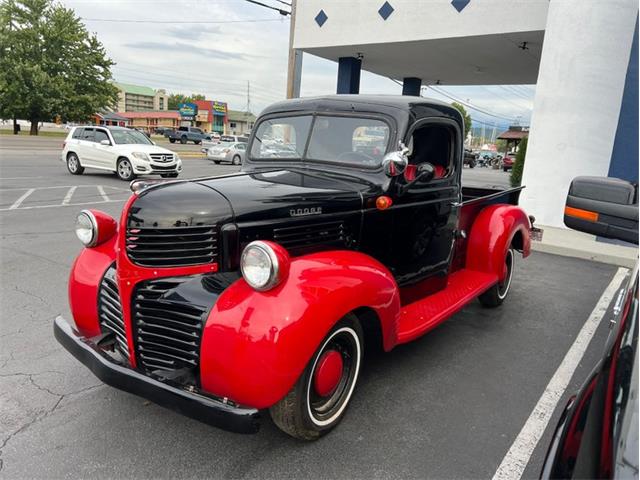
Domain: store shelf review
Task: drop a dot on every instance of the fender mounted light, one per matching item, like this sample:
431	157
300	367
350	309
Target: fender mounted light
264	265
94	227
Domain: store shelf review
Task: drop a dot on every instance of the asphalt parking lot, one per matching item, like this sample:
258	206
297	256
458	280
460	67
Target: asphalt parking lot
446	406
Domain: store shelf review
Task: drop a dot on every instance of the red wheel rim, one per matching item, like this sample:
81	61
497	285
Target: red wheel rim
328	373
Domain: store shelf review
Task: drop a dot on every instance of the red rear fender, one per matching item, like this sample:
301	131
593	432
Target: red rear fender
495	229
256	344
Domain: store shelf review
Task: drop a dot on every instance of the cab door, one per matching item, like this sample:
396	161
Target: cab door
425	212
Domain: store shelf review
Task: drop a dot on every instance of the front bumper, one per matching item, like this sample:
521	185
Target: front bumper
206	409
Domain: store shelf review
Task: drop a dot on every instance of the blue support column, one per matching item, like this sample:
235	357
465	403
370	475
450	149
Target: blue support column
624	157
349	75
411	86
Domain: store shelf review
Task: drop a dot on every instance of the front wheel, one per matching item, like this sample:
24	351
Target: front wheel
318	400
497	294
183	140
124	169
236	160
172	140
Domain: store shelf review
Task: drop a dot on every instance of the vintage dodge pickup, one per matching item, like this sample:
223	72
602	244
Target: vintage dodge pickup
346	230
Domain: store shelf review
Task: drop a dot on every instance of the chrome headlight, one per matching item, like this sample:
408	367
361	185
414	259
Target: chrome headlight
87	228
141	156
260	266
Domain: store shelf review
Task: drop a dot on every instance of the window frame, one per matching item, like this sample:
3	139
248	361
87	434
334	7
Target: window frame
387	119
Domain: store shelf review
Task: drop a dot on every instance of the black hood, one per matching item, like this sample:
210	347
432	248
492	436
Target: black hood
287	194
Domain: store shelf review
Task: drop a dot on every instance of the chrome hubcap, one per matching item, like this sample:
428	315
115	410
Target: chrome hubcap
73	163
503	287
124	169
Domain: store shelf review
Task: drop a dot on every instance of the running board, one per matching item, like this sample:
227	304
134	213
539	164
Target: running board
463	286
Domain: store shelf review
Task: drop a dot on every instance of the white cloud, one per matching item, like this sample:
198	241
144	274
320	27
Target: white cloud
217	59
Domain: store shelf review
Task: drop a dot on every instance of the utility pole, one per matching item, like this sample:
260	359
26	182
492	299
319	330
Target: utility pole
248	109
294	69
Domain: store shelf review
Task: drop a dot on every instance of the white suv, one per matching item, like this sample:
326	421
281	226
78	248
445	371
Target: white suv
121	150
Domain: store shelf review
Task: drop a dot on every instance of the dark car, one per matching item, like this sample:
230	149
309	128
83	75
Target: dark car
597	435
470	158
347	230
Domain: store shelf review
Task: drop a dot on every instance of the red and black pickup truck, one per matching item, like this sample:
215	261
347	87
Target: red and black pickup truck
346	230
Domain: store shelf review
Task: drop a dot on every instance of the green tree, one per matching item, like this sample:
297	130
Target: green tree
518	164
50	66
465	115
175	99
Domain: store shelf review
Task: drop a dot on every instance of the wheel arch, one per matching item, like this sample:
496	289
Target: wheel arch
495	229
255	345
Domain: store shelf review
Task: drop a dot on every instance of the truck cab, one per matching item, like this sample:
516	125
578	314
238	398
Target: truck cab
347	229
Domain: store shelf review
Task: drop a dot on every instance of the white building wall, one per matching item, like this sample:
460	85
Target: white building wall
355	22
578	97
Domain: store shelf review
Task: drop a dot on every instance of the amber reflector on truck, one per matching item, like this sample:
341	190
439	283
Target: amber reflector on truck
579	213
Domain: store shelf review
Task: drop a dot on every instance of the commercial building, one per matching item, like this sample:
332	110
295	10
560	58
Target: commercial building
136	98
211	115
582	56
110	118
240	123
149	121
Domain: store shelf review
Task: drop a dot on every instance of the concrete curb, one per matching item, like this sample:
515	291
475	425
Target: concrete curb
569	243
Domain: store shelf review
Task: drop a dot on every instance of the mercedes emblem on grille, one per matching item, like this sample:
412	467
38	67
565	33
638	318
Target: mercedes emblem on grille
163	158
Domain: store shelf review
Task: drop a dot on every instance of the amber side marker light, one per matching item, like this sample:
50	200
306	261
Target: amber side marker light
579	213
383	202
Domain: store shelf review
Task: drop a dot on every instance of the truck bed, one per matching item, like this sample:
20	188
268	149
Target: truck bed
474	199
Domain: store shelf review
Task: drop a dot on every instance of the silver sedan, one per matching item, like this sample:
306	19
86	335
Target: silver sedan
227	152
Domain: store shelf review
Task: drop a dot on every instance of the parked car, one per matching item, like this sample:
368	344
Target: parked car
124	151
508	161
234	138
162	130
187	134
470	159
597	434
268	285
227	152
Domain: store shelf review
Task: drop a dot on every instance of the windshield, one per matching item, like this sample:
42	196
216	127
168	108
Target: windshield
122	137
349	140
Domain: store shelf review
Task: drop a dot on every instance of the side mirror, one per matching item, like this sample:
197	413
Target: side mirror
603	206
105	142
395	163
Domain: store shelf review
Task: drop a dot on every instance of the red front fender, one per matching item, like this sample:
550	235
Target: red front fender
255	344
84	282
492	233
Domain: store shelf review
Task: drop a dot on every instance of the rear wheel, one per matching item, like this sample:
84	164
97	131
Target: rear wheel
217	162
183	140
317	402
172	140
497	294
124	169
73	164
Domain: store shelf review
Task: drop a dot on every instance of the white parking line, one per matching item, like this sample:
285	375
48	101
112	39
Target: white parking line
518	456
67	205
102	194
17	203
67	197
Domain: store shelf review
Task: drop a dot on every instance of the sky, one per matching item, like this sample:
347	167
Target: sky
154	44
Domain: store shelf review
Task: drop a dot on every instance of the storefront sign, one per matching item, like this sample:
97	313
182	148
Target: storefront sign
188	111
219	108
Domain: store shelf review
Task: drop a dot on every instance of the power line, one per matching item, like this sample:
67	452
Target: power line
279	10
468	105
198	22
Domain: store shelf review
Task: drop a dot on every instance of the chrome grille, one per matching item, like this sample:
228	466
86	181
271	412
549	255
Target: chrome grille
161	157
171	247
110	311
302	237
167	331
